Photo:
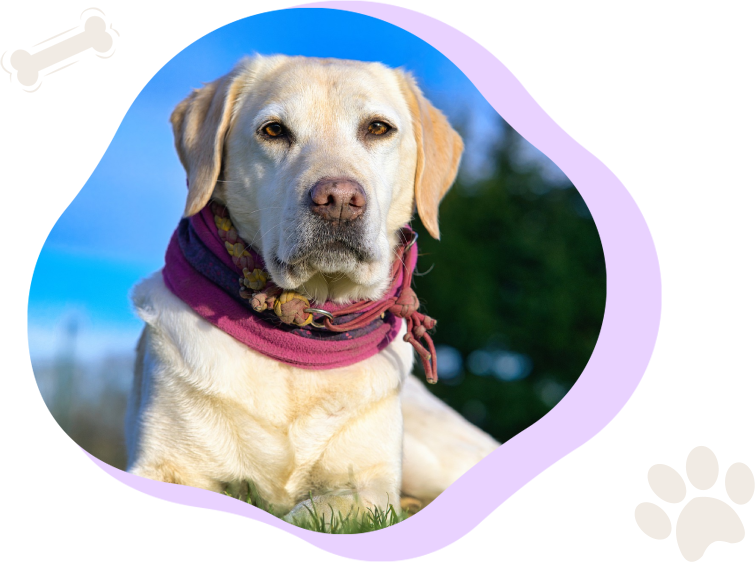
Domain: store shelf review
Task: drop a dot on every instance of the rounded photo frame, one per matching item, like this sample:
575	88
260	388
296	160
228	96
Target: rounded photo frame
623	350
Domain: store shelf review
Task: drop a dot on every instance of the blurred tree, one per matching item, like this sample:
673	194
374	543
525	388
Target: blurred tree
520	274
63	405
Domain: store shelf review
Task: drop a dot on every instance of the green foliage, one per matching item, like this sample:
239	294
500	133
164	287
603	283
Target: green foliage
521	269
371	519
358	521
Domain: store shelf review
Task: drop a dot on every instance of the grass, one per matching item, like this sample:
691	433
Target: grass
361	521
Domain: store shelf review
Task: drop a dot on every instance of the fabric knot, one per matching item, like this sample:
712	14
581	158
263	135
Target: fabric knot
245	293
255	279
231	235
289	307
422	324
223	224
406	304
428	323
234	245
263	300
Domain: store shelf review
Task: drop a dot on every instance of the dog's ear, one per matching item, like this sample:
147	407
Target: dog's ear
200	124
439	150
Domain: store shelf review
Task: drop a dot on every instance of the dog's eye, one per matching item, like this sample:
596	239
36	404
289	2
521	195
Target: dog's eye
273	129
378	128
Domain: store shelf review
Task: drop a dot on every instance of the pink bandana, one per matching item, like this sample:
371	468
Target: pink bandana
218	275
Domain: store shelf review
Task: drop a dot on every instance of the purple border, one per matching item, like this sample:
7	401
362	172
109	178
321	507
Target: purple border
625	344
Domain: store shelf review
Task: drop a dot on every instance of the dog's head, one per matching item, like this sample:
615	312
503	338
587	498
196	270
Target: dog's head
320	163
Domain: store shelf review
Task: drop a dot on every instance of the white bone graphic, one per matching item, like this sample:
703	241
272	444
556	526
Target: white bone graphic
96	35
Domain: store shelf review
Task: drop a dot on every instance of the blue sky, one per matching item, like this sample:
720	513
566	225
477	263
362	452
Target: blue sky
116	230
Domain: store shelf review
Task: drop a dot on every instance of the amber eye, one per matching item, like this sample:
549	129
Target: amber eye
378	128
273	130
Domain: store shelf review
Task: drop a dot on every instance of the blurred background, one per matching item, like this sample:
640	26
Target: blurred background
517	285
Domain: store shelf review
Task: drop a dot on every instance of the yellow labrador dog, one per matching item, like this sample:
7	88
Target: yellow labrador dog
287	144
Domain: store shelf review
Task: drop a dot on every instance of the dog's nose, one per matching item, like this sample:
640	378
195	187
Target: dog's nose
337	199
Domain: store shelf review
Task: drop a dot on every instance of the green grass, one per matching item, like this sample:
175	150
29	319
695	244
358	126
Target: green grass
359	521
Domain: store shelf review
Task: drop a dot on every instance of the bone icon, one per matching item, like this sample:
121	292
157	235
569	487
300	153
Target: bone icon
94	36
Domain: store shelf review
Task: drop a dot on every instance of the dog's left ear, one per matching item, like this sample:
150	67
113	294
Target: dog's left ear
439	150
200	124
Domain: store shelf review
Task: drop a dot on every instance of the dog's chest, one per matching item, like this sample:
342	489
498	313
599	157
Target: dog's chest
282	420
241	415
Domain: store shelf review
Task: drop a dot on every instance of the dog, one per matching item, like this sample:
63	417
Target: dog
319	163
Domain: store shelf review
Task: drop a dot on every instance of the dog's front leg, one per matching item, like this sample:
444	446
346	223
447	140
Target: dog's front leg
359	470
439	444
158	447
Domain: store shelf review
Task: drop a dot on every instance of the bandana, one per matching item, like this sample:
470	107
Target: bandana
216	273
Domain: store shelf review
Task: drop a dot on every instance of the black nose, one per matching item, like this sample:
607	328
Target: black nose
337	199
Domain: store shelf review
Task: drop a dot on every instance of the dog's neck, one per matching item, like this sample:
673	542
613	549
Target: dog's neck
339	289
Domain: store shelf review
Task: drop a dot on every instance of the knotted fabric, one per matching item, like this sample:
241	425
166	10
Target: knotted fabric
219	275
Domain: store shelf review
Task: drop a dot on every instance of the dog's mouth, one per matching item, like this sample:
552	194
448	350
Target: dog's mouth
330	251
334	257
326	245
324	249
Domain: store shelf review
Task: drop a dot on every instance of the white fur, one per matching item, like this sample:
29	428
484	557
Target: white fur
207	411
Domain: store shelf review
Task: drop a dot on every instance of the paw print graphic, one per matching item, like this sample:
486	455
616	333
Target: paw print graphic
703	520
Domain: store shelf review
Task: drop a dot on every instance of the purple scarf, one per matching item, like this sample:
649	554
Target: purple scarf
200	271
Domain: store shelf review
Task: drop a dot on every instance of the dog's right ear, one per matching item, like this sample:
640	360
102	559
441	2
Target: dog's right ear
439	150
200	125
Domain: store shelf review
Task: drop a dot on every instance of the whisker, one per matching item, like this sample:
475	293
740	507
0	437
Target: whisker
268	230
249	213
395	253
290	235
302	290
417	274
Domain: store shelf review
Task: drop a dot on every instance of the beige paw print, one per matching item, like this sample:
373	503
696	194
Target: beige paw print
702	521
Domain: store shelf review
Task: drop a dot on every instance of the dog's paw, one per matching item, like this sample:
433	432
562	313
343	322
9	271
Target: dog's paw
702	521
322	511
411	505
